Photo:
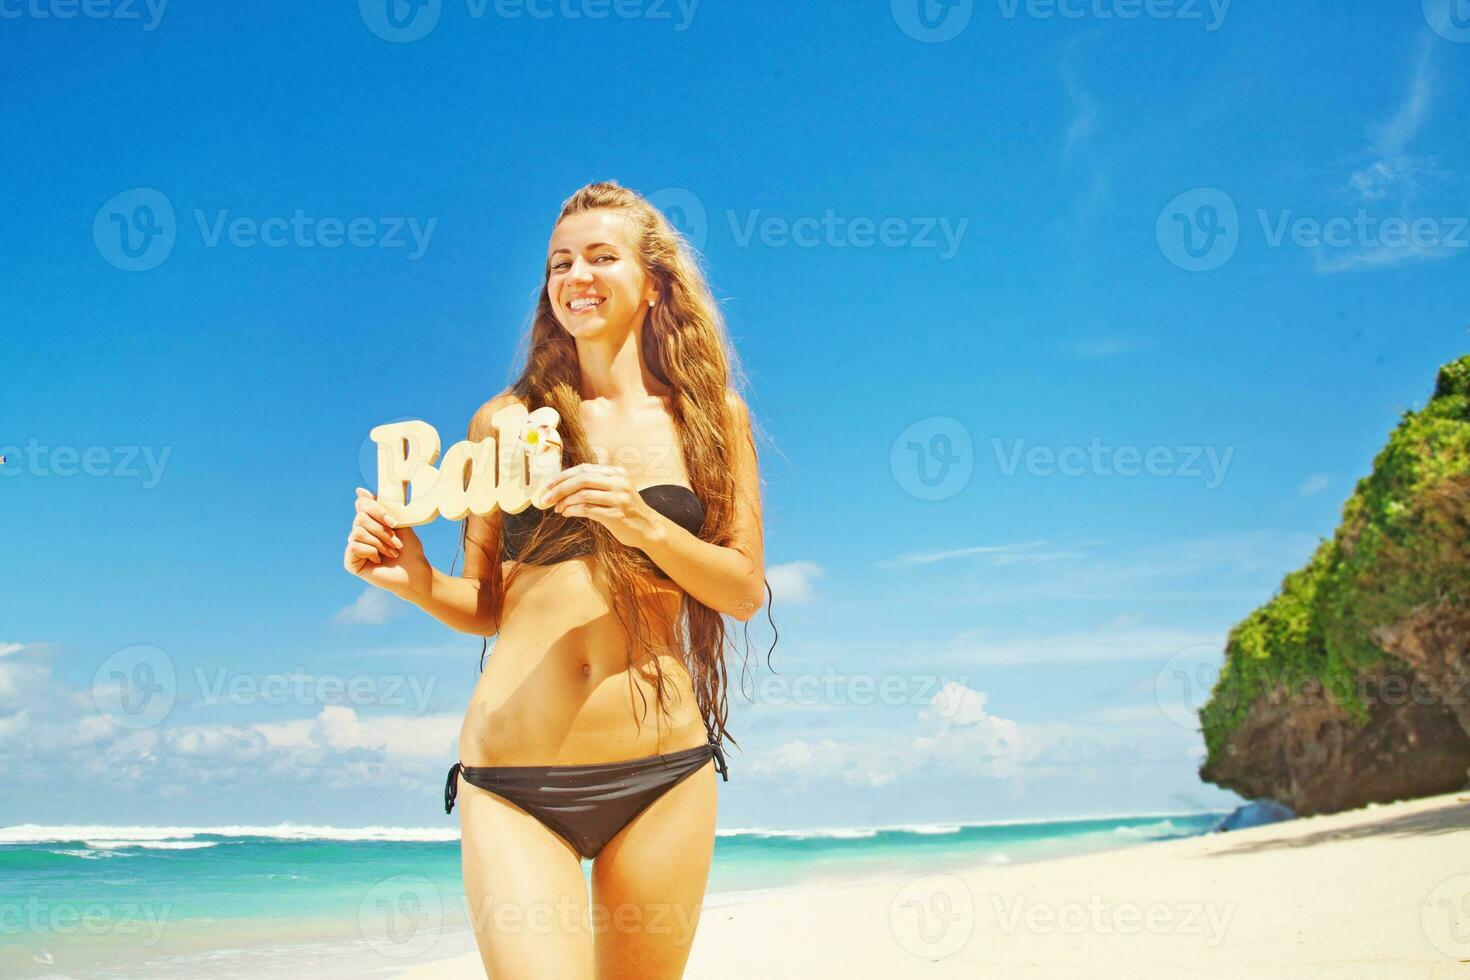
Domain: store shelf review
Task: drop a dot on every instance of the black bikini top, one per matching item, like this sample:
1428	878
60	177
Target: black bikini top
678	503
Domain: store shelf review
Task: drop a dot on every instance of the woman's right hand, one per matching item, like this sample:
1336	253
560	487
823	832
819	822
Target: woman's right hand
392	558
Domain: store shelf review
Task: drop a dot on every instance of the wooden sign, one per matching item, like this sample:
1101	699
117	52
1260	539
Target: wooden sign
475	477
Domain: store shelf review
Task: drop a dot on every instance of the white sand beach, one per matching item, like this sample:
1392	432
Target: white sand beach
1379	892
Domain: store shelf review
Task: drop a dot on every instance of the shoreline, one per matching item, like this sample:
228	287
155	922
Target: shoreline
338	941
1364	893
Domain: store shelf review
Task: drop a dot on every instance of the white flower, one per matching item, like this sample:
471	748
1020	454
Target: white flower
539	439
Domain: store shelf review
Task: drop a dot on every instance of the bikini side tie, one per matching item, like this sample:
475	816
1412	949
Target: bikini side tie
451	788
720	765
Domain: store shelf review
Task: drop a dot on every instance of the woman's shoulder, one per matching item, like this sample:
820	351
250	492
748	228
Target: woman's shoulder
480	426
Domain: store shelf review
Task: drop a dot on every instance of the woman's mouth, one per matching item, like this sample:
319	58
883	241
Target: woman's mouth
585	304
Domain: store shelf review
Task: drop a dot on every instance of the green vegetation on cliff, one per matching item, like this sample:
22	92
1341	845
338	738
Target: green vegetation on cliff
1404	542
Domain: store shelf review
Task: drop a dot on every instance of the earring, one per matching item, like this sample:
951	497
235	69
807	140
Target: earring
650	304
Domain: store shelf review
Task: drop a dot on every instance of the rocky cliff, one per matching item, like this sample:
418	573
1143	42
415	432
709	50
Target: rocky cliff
1352	685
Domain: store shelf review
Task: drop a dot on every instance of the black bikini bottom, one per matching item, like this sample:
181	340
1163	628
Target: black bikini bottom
587	805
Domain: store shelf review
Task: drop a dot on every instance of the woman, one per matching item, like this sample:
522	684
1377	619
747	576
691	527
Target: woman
611	603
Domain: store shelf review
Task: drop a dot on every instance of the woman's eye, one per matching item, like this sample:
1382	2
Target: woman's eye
558	267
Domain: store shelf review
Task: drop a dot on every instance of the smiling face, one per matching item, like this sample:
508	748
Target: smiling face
593	275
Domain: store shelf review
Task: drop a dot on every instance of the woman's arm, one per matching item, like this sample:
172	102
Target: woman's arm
462	602
456	601
730	580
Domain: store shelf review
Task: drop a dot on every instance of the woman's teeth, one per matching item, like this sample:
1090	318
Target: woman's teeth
582	305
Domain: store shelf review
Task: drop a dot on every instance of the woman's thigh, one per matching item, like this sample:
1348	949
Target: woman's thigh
648	884
526	890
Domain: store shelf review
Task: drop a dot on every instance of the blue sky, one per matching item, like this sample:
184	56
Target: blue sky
1069	335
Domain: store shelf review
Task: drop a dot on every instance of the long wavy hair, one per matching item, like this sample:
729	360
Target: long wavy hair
686	347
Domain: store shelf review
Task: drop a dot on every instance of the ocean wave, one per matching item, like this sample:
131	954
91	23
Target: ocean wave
941	828
156	845
182	838
832	833
30	833
847	833
1148	830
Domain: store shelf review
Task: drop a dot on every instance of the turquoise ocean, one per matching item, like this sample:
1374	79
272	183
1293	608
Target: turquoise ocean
305	902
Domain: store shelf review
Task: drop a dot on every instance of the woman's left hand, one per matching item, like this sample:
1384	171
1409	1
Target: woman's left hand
605	494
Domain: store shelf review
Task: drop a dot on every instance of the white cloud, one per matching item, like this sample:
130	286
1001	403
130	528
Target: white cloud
967	737
1072	751
12	727
957	742
1395	134
1105	645
1078	144
962	738
1221	554
60	728
338	728
798	763
288	736
214	744
1127	618
1098	348
394	737
1374	181
995	554
1242	566
1390	181
20	682
1085	110
372	608
1121	735
1376	256
1125	714
1394	170
792	582
1313	485
801	761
